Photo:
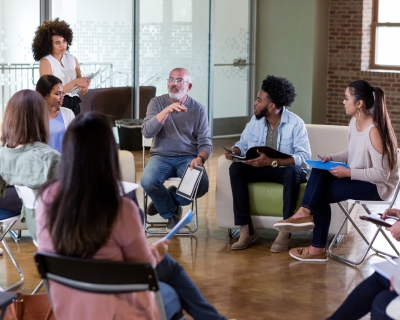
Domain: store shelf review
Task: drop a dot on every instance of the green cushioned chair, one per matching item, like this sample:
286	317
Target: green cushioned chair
266	198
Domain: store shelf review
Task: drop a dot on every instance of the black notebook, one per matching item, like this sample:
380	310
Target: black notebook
252	153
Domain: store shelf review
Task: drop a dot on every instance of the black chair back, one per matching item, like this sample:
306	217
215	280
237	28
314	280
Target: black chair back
99	276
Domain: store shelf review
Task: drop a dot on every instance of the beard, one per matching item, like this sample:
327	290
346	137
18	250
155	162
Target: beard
176	96
262	114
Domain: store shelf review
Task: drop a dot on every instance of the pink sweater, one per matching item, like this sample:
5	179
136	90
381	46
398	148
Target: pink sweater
366	163
127	243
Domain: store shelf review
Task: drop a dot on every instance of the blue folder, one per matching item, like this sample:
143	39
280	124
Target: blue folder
184	221
329	165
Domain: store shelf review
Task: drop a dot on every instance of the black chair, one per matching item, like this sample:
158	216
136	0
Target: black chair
6	298
99	276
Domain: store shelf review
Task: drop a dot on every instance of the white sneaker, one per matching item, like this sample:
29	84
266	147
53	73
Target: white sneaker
1	251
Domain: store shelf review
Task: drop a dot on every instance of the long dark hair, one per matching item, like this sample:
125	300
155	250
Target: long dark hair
25	119
81	216
46	83
375	103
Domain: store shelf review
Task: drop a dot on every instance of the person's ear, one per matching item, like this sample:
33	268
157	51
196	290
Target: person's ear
190	86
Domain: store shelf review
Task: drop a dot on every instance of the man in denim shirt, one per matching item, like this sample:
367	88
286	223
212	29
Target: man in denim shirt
274	126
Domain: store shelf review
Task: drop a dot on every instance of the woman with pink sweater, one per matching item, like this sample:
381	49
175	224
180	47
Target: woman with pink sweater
83	215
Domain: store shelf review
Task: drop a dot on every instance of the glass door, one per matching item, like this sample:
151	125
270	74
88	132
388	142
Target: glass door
174	33
233	65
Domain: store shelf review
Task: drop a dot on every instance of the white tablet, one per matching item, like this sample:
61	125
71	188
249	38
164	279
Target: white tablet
190	182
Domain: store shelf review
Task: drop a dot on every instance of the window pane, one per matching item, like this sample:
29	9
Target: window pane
389	11
387	50
18	23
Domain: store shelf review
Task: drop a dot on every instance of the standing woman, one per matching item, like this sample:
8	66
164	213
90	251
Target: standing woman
373	175
50	46
51	88
25	157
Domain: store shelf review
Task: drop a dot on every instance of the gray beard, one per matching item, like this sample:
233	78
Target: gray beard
176	96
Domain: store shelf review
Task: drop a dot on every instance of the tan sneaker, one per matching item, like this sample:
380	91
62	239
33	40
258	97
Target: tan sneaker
295	224
303	254
245	239
281	243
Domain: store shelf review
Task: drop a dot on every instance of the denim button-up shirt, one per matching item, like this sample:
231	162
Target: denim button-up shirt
292	137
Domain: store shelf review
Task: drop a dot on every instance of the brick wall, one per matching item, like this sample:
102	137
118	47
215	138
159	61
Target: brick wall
349	49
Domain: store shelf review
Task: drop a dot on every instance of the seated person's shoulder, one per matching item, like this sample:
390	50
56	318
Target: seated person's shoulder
376	139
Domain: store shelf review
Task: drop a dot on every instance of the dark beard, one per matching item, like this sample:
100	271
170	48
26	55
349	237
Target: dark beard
262	114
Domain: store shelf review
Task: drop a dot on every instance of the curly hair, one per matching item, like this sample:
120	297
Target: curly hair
280	90
42	42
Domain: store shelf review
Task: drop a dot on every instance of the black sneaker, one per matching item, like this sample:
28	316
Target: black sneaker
151	208
173	221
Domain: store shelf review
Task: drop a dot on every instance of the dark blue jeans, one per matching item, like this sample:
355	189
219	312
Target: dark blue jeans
11	204
371	295
157	171
193	302
322	189
240	174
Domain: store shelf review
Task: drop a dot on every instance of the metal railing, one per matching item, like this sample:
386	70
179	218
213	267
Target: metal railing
18	76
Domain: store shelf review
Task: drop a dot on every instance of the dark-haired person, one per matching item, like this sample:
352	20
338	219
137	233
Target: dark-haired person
83	215
25	157
50	45
274	126
51	88
373	175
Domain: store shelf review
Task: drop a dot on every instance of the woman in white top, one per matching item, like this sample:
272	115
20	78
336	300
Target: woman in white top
51	88
372	172
50	46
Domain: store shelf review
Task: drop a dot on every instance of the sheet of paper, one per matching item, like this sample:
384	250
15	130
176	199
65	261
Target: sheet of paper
128	186
186	219
385	268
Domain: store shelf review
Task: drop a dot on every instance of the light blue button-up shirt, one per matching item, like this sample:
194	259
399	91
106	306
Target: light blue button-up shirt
292	137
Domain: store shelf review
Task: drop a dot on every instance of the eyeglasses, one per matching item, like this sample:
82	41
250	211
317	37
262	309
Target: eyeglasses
178	82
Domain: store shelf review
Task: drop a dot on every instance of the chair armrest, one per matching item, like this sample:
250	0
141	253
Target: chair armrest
223	195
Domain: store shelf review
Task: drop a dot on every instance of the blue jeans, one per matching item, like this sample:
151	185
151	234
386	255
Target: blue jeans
193	302
11	204
157	171
322	189
240	174
371	295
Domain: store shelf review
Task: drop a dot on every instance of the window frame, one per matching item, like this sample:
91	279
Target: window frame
374	27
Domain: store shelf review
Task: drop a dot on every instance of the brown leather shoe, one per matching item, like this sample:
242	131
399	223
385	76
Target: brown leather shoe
295	224
245	239
281	243
303	254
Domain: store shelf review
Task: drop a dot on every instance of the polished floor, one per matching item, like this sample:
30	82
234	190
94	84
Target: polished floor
248	284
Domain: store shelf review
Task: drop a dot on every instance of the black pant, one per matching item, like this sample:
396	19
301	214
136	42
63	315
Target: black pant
291	177
72	103
371	295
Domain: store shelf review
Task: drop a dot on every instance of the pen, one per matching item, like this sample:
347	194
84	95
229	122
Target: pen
391	217
319	157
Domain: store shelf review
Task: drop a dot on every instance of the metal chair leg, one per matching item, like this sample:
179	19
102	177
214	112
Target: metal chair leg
148	225
37	289
369	243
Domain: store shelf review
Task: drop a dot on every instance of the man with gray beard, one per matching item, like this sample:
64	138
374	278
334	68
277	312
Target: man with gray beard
179	127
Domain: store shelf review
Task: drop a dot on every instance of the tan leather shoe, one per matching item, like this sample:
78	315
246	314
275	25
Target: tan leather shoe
303	254
245	239
295	224
281	243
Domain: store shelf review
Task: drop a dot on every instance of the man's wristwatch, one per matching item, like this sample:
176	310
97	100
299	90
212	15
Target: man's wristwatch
274	163
202	159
